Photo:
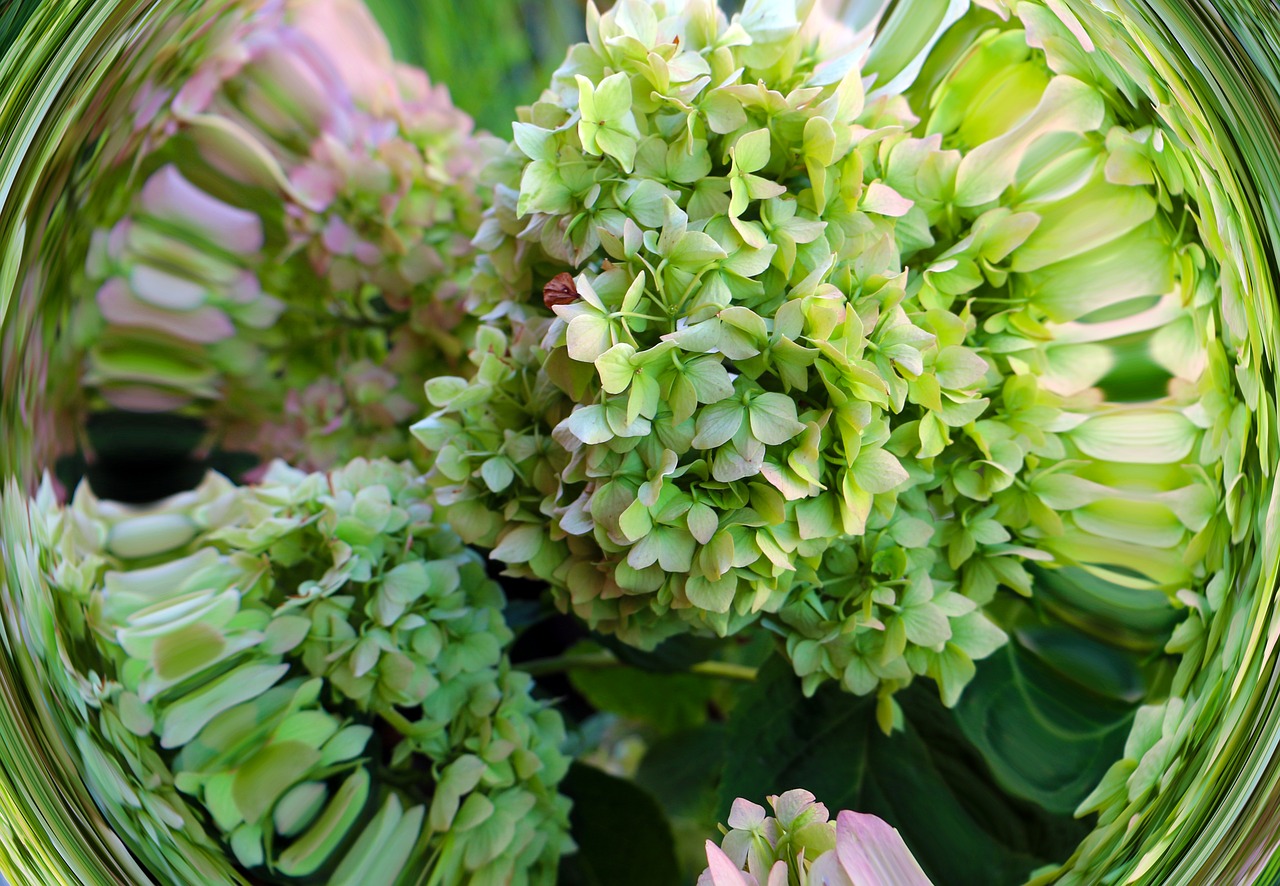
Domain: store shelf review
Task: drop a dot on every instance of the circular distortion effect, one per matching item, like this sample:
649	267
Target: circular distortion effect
867	399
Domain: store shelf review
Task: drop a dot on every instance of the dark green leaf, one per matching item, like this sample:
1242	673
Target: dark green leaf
667	702
622	834
1047	737
682	771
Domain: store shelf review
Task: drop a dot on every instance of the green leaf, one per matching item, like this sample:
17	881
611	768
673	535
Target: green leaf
674	654
1067	105
682	772
710	380
927	781
589	335
618	145
1047	737
623	837
666	702
635	522
497	473
520	544
535	142
1137	436
695	249
542	190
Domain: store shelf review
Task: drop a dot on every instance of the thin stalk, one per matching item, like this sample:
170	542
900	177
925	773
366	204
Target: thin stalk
597	661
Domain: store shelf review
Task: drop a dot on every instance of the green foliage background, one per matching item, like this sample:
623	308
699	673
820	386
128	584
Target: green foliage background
492	54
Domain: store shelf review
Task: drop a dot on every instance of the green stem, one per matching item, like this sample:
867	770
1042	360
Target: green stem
604	660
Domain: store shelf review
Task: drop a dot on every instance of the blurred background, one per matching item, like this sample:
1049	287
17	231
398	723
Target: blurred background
492	54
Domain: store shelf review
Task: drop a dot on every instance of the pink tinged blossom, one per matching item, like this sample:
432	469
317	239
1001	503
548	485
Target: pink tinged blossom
245	288
118	240
314	186
315	99
338	237
721	871
197	92
348	34
873	854
169	196
202	326
165	290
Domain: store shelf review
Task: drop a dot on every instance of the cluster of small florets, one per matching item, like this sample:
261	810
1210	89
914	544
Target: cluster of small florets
315	670
799	845
762	341
294	179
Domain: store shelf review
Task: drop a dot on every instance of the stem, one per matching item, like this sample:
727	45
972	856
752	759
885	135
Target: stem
724	670
556	664
604	660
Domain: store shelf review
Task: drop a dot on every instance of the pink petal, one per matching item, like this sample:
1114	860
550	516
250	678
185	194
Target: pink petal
165	290
346	32
203	326
745	815
790	805
169	196
826	871
314	186
338	237
874	854
723	871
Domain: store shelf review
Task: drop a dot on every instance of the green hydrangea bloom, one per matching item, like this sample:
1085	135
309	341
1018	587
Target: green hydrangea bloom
309	673
716	405
832	349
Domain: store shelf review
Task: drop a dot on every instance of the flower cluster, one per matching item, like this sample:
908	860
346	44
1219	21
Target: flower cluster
312	672
763	341
800	846
730	385
291	205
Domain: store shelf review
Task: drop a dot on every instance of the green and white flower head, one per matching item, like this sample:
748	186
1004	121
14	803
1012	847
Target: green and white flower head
799	845
305	678
770	337
713	405
282	171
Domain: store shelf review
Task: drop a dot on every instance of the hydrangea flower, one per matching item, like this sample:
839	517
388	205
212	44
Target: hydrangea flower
288	205
787	324
305	677
800	846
